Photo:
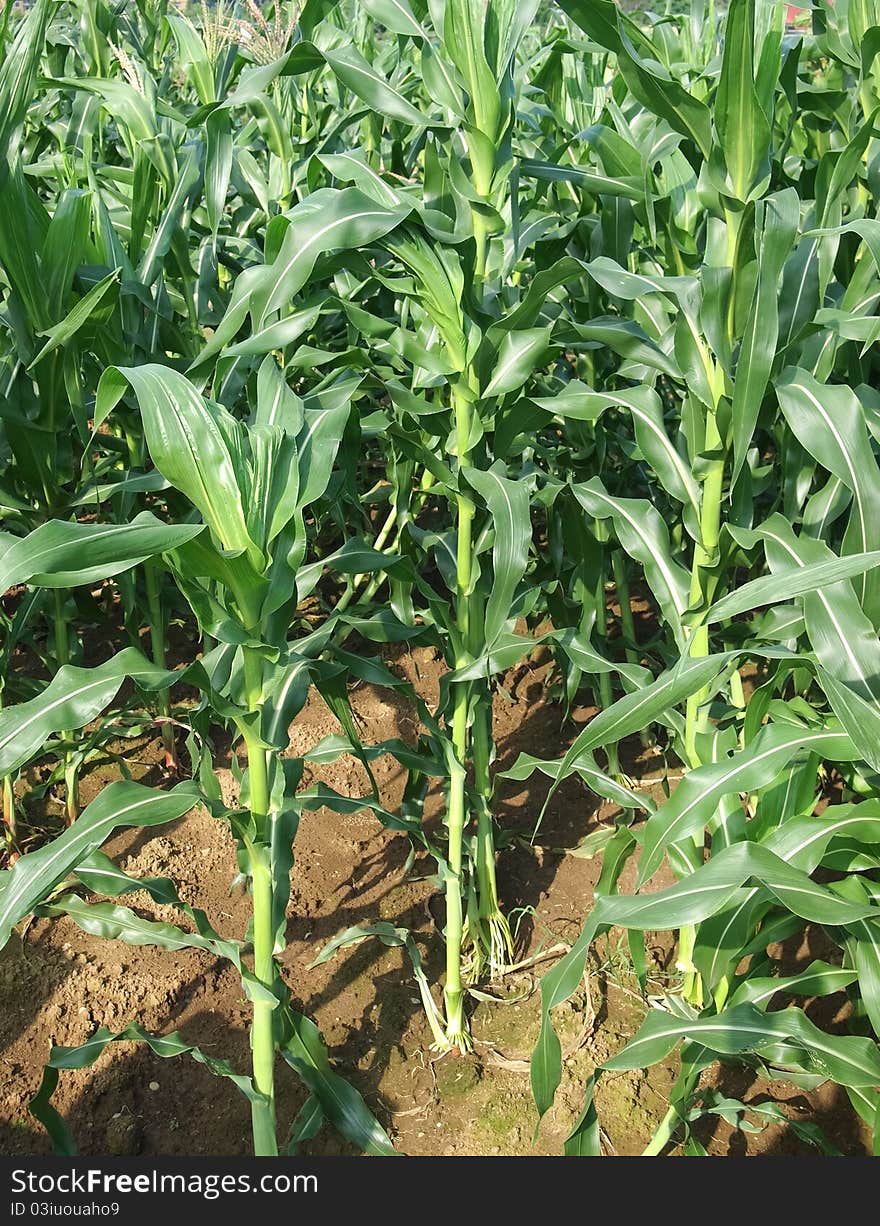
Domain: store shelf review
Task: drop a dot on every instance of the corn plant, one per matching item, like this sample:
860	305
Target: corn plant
241	569
467	354
766	446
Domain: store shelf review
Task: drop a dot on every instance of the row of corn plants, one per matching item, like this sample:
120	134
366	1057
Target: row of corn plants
739	297
454	324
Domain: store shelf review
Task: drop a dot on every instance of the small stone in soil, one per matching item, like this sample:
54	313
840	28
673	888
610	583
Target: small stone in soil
123	1137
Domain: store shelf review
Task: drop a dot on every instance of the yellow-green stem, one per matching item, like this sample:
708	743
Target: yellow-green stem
62	639
605	693
456	1029
627	621
482	240
737	694
704	579
703	584
493	943
8	803
9	810
157	647
263	1030
456	1025
684	1087
62	657
482	749
422	490
71	787
462	404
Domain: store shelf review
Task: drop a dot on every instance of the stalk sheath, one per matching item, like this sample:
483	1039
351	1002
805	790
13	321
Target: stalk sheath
262	1032
157	647
456	1028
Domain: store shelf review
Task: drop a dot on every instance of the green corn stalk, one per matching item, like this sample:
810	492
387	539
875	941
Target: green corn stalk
253	508
460	68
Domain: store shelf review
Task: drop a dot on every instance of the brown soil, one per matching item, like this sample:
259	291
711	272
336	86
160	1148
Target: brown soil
58	984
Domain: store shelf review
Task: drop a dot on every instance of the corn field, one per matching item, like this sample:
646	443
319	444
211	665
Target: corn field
507	368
